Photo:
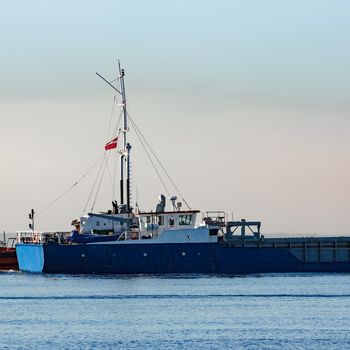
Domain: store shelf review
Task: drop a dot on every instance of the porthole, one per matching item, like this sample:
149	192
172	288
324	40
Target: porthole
144	254
83	255
183	253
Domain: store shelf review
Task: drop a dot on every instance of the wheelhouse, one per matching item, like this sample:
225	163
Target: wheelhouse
157	222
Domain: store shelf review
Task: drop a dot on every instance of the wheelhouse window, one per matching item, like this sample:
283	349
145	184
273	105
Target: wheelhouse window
171	221
146	219
185	220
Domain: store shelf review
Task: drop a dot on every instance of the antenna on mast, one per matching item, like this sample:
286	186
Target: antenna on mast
125	152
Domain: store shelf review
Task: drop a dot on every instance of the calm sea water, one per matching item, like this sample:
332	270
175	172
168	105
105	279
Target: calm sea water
270	311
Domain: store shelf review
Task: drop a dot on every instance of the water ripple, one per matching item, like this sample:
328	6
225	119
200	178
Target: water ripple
171	296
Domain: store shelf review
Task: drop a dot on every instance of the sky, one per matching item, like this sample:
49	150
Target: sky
246	103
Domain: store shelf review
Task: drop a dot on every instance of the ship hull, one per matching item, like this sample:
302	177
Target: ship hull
166	258
8	259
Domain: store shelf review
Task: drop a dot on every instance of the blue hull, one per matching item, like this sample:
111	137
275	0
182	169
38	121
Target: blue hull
30	257
164	258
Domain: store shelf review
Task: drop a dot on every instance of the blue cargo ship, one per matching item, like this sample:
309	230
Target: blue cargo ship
127	240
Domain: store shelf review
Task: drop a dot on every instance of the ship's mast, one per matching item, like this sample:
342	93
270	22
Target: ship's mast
125	172
125	154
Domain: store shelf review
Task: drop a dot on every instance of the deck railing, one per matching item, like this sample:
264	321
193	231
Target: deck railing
36	237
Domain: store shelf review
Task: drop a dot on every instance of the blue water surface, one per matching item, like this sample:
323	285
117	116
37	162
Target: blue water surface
267	311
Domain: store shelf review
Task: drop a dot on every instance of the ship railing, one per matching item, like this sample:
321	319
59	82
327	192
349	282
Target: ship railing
56	237
122	236
243	224
128	235
37	237
214	218
135	235
29	237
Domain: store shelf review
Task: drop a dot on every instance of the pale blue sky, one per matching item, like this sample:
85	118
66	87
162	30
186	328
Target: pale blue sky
295	51
261	85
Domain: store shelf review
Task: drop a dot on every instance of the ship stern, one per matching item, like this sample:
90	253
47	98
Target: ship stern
30	257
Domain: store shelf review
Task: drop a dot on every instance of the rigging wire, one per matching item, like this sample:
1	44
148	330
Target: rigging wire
99	185
117	129
114	175
118	123
149	157
143	142
91	168
110	175
68	189
115	102
111	117
114	162
159	162
93	187
110	180
105	160
114	80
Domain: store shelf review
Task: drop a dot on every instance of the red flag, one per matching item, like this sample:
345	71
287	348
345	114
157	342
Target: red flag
111	144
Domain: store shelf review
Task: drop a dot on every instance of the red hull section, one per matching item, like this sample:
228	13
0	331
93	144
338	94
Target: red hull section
8	259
